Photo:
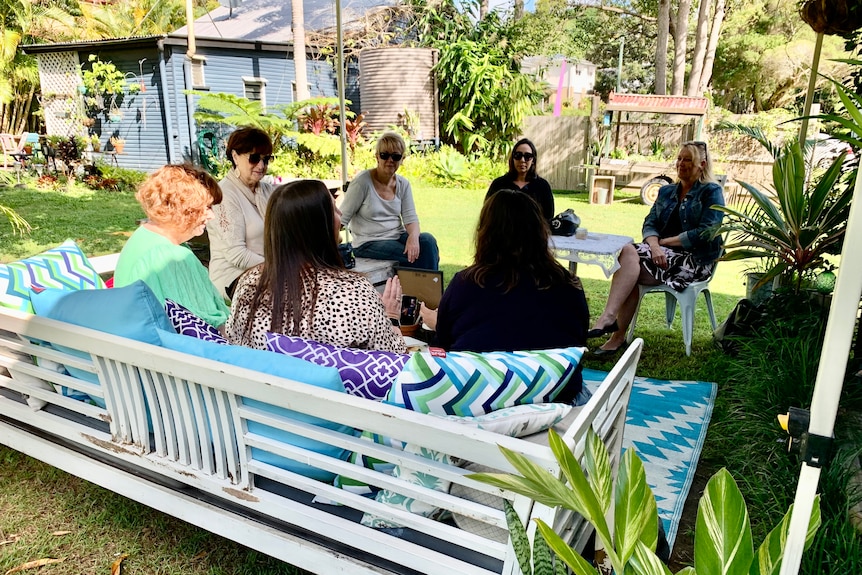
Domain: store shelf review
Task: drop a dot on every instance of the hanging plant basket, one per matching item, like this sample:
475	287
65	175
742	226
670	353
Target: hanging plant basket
837	17
115	117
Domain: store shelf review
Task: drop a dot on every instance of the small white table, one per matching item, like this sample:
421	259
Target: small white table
598	249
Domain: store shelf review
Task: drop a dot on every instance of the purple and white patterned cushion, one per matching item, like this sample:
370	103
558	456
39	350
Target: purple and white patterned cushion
368	374
187	323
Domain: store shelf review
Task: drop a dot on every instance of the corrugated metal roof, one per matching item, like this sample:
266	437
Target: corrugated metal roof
688	105
270	20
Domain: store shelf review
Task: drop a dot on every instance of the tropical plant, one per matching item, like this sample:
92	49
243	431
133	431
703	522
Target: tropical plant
353	130
723	541
851	123
794	231
319	119
484	97
450	166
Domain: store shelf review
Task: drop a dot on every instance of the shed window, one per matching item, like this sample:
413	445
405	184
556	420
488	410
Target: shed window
198	80
255	89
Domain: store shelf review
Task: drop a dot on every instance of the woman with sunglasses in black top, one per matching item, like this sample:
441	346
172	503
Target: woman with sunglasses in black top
379	209
236	231
522	177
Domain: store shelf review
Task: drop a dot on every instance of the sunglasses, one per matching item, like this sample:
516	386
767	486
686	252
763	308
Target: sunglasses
386	155
698	144
254	159
523	156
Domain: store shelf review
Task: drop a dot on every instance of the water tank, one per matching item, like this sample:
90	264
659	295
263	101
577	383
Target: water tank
398	81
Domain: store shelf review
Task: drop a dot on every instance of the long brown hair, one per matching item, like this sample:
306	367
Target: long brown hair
299	240
511	242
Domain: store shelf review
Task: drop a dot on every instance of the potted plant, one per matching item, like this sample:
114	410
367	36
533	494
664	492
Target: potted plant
791	232
94	141
118	144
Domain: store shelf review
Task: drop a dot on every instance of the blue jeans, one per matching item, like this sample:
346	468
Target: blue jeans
429	255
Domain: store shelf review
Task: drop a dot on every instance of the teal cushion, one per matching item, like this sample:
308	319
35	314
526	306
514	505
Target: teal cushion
469	384
132	311
64	267
280	366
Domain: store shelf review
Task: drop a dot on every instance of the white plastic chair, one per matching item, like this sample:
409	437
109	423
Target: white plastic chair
687	299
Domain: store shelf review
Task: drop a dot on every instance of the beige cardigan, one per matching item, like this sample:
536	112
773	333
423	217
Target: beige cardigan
236	231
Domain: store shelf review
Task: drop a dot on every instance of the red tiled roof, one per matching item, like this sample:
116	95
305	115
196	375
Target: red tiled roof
658	104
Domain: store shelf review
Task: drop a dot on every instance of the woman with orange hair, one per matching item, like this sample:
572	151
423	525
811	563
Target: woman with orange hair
178	203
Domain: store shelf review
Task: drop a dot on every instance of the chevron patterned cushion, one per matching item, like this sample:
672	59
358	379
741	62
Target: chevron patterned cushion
469	384
187	323
64	267
365	373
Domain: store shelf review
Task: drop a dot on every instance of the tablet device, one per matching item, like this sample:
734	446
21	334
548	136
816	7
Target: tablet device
425	285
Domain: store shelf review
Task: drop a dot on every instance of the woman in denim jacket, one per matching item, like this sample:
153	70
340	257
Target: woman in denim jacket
677	250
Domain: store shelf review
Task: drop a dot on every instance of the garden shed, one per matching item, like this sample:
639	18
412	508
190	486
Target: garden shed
246	51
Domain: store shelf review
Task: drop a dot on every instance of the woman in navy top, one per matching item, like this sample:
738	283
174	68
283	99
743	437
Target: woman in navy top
522	176
515	296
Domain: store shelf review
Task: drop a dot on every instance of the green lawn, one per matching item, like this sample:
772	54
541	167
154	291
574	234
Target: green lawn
37	500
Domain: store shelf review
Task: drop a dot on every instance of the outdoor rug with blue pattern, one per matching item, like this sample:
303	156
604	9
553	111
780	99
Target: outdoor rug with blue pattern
666	424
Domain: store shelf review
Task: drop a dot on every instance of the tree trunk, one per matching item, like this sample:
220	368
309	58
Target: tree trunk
519	9
679	47
483	9
709	58
663	25
298	25
701	39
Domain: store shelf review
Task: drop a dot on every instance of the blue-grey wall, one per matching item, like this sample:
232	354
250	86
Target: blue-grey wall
224	70
142	124
152	123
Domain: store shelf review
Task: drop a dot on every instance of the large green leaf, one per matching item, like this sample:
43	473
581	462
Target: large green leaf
598	465
632	508
771	551
520	542
570	557
581	490
645	562
722	537
543	562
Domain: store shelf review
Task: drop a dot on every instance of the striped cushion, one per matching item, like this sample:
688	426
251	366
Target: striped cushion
64	267
469	384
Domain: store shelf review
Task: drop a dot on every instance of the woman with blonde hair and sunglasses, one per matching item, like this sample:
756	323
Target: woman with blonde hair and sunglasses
522	177
236	231
177	201
678	246
379	210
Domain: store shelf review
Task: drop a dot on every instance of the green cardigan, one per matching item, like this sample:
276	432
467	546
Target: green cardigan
172	272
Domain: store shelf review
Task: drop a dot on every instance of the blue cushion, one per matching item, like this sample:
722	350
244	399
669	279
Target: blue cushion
280	366
132	311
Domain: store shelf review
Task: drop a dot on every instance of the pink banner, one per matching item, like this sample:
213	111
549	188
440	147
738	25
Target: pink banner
558	106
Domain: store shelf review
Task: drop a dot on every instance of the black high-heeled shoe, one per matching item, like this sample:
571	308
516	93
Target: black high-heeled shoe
600	331
599	352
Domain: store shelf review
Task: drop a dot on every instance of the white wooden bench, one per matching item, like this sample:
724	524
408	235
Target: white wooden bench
174	435
377	271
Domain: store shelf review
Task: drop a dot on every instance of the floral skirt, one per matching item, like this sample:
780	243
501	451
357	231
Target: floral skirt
682	269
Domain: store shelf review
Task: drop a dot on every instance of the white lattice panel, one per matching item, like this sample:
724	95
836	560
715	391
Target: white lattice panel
60	76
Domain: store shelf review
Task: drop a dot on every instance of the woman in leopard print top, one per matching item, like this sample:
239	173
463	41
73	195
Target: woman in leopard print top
302	288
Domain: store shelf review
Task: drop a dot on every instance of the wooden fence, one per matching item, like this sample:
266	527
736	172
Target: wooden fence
561	142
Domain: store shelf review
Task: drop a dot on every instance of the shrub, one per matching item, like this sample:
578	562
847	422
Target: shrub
120	179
